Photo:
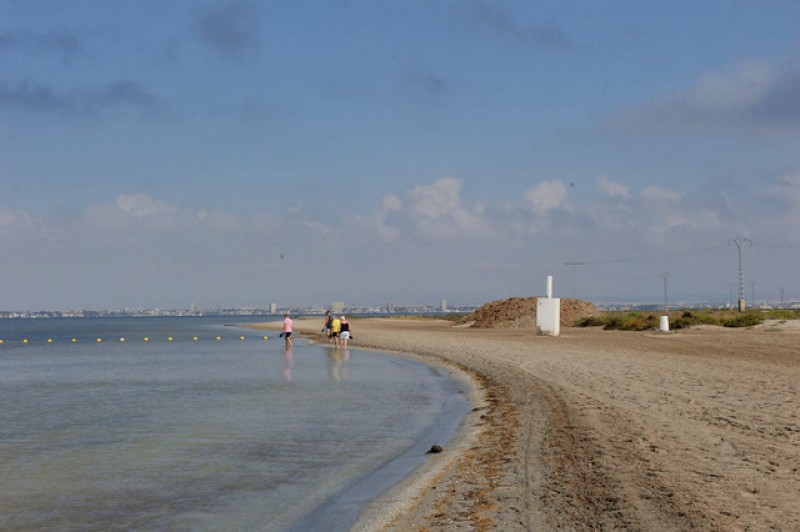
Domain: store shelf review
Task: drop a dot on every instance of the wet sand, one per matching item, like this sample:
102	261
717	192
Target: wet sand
605	429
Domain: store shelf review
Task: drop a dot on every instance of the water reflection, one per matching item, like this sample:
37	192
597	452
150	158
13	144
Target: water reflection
288	363
339	368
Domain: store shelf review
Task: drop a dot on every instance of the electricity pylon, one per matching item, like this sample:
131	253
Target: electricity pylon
741	242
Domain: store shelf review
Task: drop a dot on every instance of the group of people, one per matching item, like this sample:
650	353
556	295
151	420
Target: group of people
337	330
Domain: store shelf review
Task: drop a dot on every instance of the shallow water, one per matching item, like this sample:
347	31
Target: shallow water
206	433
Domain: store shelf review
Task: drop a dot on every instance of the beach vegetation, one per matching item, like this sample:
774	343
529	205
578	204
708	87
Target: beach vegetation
591	321
783	314
451	316
689	319
748	319
682	319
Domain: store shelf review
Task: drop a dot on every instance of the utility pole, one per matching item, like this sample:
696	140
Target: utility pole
665	276
782	290
573	264
740	243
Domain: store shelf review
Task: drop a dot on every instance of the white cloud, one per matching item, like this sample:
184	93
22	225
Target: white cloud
20	226
433	211
662	195
391	203
14	219
319	228
218	221
546	196
437	212
696	220
612	190
437	199
142	205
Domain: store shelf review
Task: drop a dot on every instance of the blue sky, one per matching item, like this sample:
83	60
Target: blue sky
158	154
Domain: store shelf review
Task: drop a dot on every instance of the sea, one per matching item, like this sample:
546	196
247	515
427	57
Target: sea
198	423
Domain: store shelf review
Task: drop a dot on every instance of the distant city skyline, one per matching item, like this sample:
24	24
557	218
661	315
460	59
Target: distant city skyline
224	152
274	309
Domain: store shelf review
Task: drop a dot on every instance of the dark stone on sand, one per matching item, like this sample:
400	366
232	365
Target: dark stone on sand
435	449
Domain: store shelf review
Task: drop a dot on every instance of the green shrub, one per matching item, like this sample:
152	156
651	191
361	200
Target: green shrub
640	321
743	320
632	321
614	323
591	321
690	319
783	314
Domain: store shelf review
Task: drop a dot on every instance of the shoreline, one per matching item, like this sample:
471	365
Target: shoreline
390	509
695	428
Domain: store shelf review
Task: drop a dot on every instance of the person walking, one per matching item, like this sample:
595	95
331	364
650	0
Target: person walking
327	327
336	326
344	332
287	330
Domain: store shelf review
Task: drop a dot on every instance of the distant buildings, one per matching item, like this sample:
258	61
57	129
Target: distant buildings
340	307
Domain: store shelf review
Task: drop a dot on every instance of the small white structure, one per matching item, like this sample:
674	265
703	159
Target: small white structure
548	312
664	324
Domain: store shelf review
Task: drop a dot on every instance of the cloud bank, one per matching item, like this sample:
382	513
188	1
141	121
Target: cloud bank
115	96
424	240
749	96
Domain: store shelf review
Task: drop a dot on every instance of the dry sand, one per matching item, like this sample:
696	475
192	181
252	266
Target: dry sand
693	429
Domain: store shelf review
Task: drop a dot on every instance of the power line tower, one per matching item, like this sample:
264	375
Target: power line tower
740	243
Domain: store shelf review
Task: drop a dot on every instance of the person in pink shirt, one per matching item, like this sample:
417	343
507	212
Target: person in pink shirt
287	330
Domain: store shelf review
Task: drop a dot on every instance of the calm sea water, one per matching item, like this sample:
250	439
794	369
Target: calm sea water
204	434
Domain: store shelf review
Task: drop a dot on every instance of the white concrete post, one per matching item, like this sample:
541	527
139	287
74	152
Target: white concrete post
548	312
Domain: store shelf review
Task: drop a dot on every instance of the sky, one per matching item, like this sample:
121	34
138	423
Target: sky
159	154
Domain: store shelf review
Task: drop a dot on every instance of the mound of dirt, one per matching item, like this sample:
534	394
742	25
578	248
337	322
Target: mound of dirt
520	313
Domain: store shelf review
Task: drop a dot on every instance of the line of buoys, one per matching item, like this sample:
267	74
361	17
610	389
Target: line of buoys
123	339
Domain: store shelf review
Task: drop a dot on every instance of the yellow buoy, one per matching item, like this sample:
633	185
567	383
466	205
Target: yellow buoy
219	338
266	338
25	341
195	338
74	340
241	338
2	341
49	340
99	339
169	338
122	339
146	339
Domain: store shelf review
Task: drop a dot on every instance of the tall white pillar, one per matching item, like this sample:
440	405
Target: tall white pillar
548	312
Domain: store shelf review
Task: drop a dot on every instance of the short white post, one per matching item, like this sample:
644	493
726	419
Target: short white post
664	324
548	312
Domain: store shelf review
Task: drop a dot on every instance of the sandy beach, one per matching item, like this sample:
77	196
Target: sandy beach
604	429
